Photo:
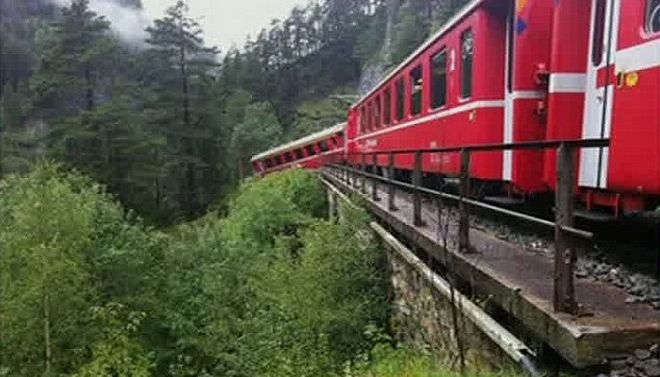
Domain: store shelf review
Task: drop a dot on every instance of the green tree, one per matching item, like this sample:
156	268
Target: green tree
45	228
76	59
182	71
118	353
409	32
11	107
259	130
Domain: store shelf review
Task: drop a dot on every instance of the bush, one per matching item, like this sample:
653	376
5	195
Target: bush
384	360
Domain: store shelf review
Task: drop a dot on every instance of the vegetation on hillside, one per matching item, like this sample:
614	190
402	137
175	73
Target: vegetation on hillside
273	289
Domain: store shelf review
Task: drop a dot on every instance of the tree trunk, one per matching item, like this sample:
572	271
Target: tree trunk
89	90
189	198
46	308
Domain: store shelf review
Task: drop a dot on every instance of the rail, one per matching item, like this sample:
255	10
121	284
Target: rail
564	286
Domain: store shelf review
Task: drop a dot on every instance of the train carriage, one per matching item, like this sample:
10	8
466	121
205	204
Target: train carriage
470	84
308	152
605	83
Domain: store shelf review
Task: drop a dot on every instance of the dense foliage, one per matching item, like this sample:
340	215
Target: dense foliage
167	123
273	289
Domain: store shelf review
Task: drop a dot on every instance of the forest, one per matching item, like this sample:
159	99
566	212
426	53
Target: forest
133	241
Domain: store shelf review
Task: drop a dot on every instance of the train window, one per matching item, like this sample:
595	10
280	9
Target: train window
310	149
324	146
653	16
416	89
299	154
363	119
599	33
387	114
377	108
439	81
467	63
400	95
267	164
278	160
370	116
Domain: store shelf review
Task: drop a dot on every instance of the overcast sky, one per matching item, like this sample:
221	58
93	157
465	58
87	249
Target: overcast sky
227	22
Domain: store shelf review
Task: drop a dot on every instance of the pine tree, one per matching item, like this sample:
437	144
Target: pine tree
76	61
184	66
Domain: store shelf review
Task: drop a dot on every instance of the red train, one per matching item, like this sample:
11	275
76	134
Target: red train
308	152
504	71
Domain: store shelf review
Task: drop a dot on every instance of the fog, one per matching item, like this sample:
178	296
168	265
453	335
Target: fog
128	23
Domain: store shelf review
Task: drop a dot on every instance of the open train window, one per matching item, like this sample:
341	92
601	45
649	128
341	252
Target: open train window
324	146
298	153
400	95
599	33
278	160
310	149
268	163
653	16
377	107
467	63
416	90
387	103
439	80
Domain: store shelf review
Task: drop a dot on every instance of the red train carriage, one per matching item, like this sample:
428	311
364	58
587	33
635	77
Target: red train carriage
530	70
605	83
309	152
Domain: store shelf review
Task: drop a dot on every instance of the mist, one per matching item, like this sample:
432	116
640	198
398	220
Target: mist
127	23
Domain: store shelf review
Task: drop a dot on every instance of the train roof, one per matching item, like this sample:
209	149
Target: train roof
309	139
467	9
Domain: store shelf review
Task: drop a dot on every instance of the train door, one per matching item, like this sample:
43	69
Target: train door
634	159
599	95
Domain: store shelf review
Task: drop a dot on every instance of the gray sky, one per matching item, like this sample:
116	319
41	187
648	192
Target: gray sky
227	22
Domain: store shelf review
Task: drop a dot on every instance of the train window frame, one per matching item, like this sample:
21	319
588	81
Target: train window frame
467	76
400	87
369	115
378	108
416	93
387	106
310	150
652	14
598	35
432	64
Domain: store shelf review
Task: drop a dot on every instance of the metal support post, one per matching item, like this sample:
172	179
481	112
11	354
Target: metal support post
417	194
374	185
332	205
391	187
363	187
463	207
565	257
